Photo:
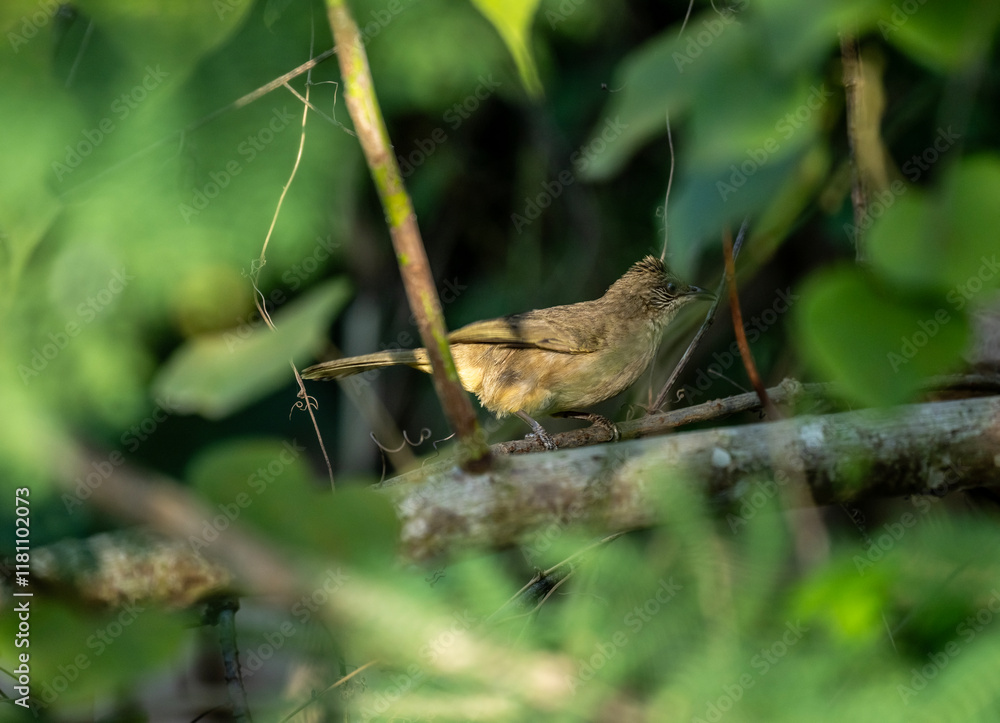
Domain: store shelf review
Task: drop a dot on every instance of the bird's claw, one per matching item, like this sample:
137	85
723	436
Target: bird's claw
597	420
544	438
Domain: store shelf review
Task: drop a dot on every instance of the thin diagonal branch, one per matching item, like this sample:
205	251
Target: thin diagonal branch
410	253
709	319
741	334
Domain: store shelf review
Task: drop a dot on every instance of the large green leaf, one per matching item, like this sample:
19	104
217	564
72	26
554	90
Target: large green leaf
877	345
269	485
946	240
706	73
216	374
176	35
76	654
943	36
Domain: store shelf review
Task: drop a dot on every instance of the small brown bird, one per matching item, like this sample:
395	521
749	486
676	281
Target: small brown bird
554	361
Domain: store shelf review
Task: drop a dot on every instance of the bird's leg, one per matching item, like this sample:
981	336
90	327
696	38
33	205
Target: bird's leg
538	431
598	420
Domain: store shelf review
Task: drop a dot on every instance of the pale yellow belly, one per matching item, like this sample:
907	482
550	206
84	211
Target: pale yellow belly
536	381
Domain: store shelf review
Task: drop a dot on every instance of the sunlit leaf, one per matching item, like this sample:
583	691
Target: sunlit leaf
216	374
513	19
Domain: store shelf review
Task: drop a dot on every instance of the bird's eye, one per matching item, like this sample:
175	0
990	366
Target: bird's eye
672	288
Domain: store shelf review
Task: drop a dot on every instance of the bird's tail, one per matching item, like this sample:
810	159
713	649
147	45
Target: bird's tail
416	358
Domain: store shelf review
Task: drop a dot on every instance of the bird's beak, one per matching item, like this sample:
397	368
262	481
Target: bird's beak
698	291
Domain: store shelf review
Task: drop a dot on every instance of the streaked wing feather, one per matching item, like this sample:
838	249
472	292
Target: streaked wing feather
527	330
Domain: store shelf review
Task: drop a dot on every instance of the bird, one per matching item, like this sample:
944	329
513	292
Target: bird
555	361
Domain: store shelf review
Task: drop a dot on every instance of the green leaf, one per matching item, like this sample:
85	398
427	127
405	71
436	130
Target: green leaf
877	345
972	218
709	199
944	241
900	246
76	654
216	374
268	484
942	36
512	19
177	35
273	11
848	598
777	48
704	74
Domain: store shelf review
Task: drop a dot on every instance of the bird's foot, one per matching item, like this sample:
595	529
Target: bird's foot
544	437
598	420
538	432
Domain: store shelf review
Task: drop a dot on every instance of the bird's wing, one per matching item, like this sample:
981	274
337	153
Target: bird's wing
530	330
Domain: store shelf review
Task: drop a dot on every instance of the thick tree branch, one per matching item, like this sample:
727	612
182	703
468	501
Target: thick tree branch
928	448
925	448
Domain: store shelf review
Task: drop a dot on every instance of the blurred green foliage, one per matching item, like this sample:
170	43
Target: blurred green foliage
135	198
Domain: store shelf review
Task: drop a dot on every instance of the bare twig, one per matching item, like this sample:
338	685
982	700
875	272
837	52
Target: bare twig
223	616
807	527
741	334
670	183
865	104
195	125
661	398
670	143
305	401
543	585
309	404
855	118
363	106
316	696
650	425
